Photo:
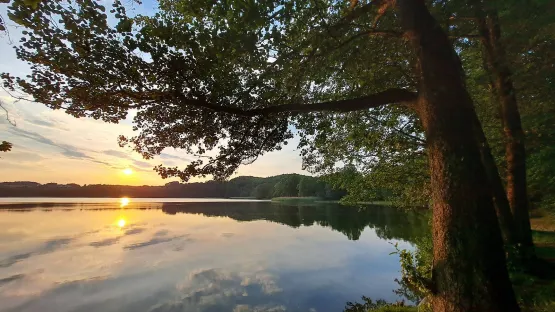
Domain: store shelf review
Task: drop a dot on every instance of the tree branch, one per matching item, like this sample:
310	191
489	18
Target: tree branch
465	36
388	96
7	114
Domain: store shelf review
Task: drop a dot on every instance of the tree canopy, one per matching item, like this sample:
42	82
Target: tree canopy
232	74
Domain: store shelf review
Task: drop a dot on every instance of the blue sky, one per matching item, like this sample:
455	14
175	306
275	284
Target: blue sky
51	146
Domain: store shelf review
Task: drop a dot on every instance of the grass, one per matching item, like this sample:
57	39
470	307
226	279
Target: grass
536	292
543	233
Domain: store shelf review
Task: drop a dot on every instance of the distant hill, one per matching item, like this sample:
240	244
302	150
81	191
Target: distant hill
244	186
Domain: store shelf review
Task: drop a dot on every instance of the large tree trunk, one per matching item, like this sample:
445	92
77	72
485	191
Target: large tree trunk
502	206
469	272
512	127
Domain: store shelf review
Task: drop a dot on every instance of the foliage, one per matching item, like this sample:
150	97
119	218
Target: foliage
287	186
310	186
264	190
378	306
416	270
200	74
5	146
244	186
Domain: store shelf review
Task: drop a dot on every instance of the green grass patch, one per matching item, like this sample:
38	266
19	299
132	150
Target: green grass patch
543	237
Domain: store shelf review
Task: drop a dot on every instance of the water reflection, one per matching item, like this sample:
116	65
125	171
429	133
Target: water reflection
121	222
198	257
124	201
389	223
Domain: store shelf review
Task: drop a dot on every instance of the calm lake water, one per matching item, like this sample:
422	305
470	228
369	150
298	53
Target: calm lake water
147	255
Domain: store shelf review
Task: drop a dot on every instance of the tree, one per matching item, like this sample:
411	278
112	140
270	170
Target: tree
233	76
495	57
287	186
263	191
5	146
310	186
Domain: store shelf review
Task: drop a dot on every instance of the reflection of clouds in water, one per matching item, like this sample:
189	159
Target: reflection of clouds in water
264	279
134	231
11	278
162	233
105	242
153	241
201	291
14	259
47	247
265	308
221	290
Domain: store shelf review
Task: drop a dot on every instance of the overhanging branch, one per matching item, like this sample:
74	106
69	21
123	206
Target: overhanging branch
388	96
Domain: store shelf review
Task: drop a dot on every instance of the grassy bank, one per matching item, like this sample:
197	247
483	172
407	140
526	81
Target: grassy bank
543	226
536	292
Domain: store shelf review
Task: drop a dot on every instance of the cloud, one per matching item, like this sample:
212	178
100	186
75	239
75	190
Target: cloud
67	150
168	156
48	123
142	164
24	156
72	153
116	153
104	163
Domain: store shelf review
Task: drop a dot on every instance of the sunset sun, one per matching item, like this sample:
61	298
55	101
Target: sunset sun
128	171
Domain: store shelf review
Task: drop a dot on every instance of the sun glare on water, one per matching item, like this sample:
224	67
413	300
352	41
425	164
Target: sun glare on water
124	201
121	222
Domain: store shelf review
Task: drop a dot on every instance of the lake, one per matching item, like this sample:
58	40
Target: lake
202	255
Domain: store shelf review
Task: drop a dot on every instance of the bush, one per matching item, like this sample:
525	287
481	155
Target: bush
378	306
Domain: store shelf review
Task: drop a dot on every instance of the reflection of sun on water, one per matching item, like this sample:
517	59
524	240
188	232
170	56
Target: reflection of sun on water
121	222
124	201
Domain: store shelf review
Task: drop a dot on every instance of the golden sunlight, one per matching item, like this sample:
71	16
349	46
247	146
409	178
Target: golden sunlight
124	201
128	171
121	222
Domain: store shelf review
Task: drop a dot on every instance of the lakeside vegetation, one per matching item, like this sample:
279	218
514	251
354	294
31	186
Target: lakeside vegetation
240	187
535	289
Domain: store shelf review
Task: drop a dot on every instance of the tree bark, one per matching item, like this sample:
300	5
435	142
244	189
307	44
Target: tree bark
469	272
515	154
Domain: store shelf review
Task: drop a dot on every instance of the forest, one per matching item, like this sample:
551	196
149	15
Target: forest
286	185
443	103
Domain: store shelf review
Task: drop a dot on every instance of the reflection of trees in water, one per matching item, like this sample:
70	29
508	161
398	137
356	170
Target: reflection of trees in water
388	222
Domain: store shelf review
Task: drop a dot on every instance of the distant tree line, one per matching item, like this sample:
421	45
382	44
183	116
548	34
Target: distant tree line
286	185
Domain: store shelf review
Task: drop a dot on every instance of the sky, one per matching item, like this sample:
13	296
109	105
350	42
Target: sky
51	146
